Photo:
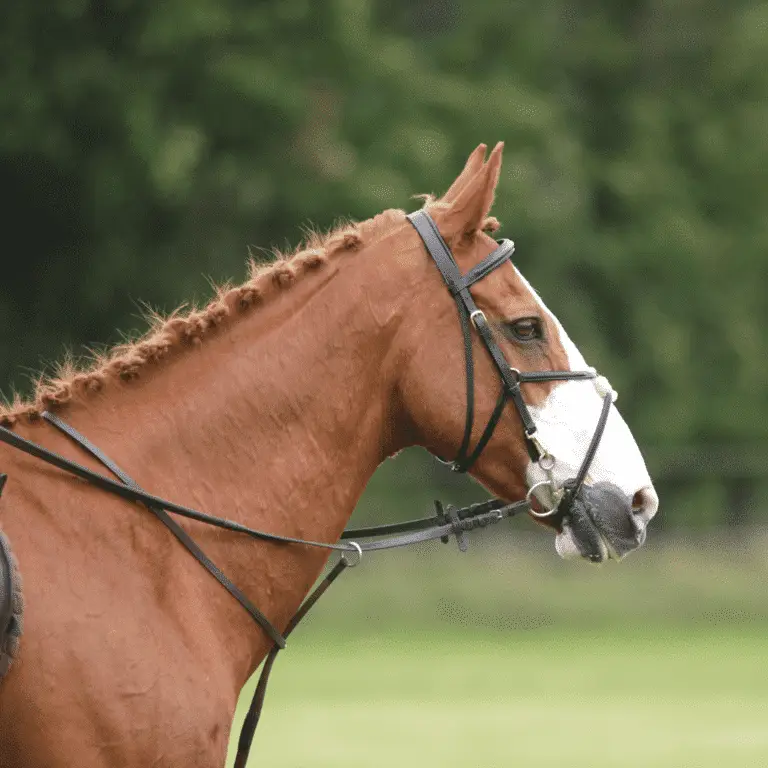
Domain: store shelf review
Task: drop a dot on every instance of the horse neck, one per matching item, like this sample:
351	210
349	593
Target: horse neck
277	421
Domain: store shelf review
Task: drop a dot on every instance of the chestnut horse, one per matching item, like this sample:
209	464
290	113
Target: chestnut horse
272	406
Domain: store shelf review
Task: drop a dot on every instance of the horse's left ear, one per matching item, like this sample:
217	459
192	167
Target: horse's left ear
464	215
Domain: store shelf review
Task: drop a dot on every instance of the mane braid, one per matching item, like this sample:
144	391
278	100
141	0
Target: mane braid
179	330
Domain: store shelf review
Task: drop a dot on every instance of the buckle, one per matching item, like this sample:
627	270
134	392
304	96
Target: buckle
477	314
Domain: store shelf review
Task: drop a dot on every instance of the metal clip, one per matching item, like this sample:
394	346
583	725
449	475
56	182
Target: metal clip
547	462
533	436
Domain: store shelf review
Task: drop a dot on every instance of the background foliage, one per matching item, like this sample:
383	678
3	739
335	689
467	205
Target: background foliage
144	146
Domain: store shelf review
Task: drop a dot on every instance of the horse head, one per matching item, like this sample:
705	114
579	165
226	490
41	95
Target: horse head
505	390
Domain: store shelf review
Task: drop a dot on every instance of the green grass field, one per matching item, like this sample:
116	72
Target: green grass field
655	699
429	659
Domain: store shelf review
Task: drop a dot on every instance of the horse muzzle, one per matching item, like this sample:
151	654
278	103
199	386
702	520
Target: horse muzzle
598	524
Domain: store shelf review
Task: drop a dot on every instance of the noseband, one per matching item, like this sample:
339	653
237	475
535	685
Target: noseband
511	378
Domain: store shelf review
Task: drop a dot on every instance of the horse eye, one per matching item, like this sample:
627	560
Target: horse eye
526	329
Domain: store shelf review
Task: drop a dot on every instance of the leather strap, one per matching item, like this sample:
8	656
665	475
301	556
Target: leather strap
489	263
451	522
572	487
135	494
469	314
458	285
189	543
487	433
529	376
253	716
478	510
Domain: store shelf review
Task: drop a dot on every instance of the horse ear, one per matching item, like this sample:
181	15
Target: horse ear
466	213
473	165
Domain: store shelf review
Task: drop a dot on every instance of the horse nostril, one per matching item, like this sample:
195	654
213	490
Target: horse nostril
645	503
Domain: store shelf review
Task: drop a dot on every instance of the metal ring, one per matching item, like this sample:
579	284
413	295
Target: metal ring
548	512
477	313
550	465
354	547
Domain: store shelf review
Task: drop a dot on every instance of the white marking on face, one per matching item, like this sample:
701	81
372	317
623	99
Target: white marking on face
566	422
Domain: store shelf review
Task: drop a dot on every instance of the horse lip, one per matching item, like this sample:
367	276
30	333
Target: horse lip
618	550
568	546
612	554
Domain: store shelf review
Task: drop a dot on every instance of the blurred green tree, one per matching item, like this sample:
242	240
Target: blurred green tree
143	146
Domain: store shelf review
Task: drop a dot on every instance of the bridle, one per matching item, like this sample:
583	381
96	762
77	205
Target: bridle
511	378
446	523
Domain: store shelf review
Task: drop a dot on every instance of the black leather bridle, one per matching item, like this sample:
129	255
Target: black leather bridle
511	378
446	523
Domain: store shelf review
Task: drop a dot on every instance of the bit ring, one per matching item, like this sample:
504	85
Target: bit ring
546	512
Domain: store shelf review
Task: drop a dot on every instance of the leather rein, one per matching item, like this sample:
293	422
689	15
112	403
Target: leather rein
446	523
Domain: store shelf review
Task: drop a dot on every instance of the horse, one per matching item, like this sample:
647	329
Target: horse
275	402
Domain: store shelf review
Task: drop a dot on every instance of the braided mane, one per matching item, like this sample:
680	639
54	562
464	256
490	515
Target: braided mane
189	328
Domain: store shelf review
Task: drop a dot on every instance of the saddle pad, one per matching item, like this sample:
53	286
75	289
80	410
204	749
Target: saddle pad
11	606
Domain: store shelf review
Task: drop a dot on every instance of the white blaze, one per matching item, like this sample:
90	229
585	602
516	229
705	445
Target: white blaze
566	422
